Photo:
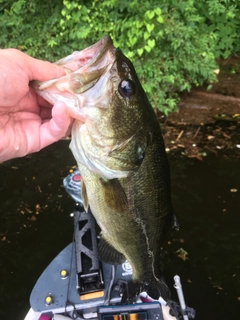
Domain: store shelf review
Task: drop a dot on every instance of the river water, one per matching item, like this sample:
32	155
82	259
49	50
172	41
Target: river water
35	225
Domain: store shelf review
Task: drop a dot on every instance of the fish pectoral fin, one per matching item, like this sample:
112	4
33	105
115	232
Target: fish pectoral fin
121	145
114	195
84	195
108	254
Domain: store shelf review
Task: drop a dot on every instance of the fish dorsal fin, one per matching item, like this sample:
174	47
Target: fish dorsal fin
108	254
84	195
114	195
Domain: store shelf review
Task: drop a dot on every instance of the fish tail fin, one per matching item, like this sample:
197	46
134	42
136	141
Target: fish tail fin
154	288
159	288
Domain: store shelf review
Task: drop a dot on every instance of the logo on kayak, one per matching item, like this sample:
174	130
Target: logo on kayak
76	177
127	268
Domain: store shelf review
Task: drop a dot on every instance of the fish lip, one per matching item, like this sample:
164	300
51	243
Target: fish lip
94	52
100	48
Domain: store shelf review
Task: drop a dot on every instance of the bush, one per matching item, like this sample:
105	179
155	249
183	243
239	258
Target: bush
31	26
223	19
173	44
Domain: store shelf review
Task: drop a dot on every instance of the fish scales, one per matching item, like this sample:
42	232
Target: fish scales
118	145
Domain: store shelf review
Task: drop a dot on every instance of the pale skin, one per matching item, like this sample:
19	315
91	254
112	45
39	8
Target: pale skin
27	122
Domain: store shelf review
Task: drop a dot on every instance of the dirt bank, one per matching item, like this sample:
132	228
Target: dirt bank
207	120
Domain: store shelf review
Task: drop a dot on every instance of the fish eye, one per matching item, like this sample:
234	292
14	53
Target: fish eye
126	88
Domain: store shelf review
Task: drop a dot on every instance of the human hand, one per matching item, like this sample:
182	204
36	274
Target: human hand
28	123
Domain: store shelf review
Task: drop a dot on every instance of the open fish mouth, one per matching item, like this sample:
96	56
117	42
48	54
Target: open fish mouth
83	69
87	57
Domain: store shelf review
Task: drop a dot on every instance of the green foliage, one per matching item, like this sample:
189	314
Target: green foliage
173	44
223	19
31	26
162	41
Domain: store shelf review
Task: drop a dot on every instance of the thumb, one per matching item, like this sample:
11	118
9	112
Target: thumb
43	70
35	69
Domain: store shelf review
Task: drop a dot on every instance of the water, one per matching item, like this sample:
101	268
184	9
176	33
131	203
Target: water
35	225
207	204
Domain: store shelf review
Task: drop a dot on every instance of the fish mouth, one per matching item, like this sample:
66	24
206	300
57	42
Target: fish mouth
82	70
87	57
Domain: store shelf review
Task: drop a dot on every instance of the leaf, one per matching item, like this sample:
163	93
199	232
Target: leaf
158	11
147	48
146	35
150	27
150	14
132	41
160	19
151	43
140	51
182	254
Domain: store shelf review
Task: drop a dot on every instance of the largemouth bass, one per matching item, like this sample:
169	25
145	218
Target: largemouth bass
118	145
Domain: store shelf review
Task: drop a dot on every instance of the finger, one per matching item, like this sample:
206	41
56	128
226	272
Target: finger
57	128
